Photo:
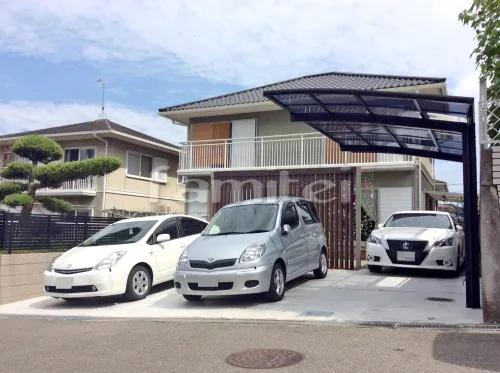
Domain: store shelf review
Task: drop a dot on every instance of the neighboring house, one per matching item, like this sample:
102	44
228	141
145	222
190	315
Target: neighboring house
146	183
243	135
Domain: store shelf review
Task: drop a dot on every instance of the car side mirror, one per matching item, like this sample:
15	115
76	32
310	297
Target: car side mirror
459	228
286	229
163	238
380	225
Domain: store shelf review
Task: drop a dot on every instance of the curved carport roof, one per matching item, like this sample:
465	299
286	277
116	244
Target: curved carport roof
440	127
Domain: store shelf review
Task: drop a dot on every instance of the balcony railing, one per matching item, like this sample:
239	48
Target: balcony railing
87	186
301	150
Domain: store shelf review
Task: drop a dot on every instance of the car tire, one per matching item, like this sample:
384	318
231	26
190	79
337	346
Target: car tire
192	298
375	269
138	284
322	269
458	270
276	290
71	299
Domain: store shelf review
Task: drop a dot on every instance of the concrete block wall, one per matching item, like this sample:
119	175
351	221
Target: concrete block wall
21	275
496	167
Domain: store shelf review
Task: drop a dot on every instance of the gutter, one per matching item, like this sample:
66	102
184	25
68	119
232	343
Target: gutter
105	176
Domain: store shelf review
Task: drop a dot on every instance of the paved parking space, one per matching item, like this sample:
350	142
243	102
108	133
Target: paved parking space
395	296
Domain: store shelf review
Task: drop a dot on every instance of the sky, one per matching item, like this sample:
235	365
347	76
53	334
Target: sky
157	53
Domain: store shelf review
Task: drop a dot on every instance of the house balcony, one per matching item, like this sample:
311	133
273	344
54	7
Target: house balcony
83	187
277	152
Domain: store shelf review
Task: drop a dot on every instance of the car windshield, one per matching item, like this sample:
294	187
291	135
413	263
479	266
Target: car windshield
120	233
419	221
243	219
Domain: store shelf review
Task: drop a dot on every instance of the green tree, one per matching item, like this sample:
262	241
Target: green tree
484	17
27	178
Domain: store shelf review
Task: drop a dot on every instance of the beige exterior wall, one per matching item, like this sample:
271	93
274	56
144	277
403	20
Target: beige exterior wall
126	192
21	276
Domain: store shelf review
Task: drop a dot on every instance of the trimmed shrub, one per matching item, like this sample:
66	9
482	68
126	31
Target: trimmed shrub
17	170
18	199
38	149
10	188
56	205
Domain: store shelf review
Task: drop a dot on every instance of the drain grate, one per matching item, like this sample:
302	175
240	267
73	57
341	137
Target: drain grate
439	299
264	359
316	314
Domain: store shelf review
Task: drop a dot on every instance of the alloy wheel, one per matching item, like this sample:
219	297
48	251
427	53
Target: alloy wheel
140	283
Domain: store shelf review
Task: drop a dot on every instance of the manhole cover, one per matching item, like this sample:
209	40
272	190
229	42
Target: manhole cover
264	359
438	299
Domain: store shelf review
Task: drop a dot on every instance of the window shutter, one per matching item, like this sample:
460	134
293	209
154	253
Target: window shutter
160	168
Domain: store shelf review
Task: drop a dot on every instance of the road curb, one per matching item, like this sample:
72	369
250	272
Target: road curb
298	322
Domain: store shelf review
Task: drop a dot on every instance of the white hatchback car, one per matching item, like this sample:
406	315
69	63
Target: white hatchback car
417	239
126	257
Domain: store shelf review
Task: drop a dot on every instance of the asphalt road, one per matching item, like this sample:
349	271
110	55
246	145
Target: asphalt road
29	345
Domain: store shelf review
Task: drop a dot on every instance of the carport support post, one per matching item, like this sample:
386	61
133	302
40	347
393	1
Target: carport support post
473	295
358	218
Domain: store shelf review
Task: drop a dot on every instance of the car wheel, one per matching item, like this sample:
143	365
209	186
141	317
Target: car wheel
322	269
276	290
192	298
138	284
375	269
458	270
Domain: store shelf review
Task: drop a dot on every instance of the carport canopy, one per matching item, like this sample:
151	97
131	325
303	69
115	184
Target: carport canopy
431	126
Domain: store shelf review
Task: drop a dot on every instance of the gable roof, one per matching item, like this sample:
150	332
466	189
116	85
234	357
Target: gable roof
100	125
333	80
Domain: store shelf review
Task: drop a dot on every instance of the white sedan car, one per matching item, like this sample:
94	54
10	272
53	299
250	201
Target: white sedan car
417	239
127	257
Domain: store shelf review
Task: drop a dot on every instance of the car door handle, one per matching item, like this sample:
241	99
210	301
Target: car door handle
182	246
302	235
151	252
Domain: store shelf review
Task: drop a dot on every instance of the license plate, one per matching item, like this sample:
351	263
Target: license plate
406	256
64	283
208	281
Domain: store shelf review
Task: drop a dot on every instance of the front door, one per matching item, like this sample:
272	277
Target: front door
167	253
294	242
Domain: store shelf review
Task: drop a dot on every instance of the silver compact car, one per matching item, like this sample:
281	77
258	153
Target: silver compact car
254	246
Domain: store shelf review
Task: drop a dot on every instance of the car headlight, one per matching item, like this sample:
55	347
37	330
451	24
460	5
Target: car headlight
51	264
110	260
444	243
253	252
183	259
374	239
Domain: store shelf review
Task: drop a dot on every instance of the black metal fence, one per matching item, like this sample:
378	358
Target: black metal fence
47	232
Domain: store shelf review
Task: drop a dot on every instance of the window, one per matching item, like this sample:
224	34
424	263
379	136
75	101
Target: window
181	179
290	216
121	233
305	213
78	154
416	220
169	227
139	165
192	226
314	212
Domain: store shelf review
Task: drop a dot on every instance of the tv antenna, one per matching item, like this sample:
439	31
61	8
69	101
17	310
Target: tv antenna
104	84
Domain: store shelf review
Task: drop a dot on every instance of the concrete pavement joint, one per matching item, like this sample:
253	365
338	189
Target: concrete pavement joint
329	323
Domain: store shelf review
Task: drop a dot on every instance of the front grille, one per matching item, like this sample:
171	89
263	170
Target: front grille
74	289
222	286
414	246
212	265
72	271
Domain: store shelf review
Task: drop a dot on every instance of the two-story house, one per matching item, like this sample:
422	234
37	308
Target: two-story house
146	183
242	136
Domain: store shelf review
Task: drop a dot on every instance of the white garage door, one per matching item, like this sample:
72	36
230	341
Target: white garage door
394	199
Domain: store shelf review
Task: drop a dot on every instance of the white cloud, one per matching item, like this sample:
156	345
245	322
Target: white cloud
18	116
245	42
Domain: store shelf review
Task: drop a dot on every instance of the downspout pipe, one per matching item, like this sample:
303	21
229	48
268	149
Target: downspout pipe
105	184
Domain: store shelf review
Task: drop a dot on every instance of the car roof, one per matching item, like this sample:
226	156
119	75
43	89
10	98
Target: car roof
421	212
158	218
267	200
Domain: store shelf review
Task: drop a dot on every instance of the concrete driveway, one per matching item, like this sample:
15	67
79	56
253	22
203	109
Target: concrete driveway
358	296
